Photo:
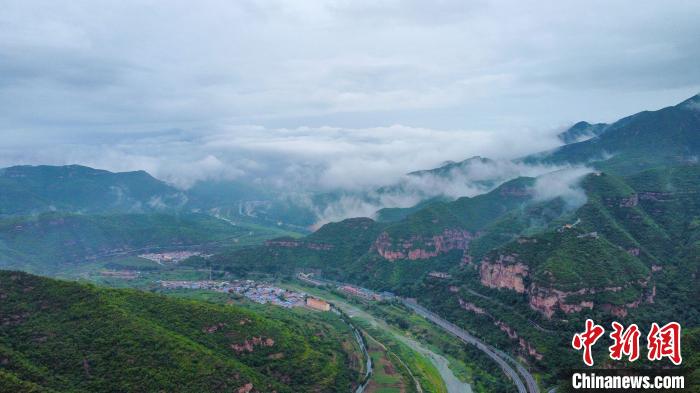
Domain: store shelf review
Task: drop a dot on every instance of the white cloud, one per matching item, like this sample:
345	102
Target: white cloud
563	184
314	159
327	95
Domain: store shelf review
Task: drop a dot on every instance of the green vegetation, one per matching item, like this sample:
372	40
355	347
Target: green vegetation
387	376
627	226
631	253
54	242
64	336
467	362
36	189
650	139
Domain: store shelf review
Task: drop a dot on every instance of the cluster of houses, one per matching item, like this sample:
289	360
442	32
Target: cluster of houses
258	292
352	290
365	293
169	257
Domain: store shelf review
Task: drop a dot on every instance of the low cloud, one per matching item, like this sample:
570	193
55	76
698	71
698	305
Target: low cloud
315	159
565	184
475	177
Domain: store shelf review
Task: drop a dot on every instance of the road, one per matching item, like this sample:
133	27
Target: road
453	384
498	356
523	379
442	364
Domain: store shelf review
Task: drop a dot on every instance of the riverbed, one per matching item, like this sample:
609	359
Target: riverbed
453	384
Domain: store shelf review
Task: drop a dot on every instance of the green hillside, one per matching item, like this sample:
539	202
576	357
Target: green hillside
582	131
666	137
471	214
332	248
64	336
51	241
35	189
630	252
31	190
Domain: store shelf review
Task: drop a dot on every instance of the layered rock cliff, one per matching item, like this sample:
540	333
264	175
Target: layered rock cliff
422	247
507	272
504	272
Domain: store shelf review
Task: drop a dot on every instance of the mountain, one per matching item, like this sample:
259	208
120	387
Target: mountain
582	131
31	190
453	180
630	254
645	140
648	139
56	217
520	267
451	166
525	261
58	336
361	248
393	214
247	202
51	242
36	189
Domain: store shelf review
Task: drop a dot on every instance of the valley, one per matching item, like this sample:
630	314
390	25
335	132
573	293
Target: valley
414	365
478	293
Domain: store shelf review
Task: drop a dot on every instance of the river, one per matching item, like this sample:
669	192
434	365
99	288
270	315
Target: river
453	384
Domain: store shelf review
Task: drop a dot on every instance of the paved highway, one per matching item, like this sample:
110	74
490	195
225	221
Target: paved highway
501	358
498	356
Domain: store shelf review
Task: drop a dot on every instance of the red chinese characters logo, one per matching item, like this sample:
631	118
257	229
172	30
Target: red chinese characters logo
626	342
662	342
665	342
587	339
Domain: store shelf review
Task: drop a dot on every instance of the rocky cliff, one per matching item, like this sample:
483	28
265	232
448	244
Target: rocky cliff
422	247
504	272
507	272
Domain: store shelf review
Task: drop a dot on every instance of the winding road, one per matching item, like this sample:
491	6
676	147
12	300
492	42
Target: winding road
528	386
522	378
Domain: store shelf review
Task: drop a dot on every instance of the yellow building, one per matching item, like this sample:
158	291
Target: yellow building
317	304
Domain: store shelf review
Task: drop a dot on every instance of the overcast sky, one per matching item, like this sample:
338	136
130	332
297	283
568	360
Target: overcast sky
356	91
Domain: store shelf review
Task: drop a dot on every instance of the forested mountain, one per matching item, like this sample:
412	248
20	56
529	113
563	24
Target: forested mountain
51	242
58	336
582	131
36	189
648	139
617	242
612	231
630	252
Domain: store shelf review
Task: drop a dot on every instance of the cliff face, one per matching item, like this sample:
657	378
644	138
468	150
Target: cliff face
548	300
507	272
504	272
471	307
419	247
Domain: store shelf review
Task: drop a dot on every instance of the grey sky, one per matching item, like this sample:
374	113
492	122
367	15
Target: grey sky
392	86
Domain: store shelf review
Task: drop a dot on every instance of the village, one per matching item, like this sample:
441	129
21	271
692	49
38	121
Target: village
258	292
169	257
348	289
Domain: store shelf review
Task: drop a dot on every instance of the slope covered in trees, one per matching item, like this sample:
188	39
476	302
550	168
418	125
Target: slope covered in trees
64	336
